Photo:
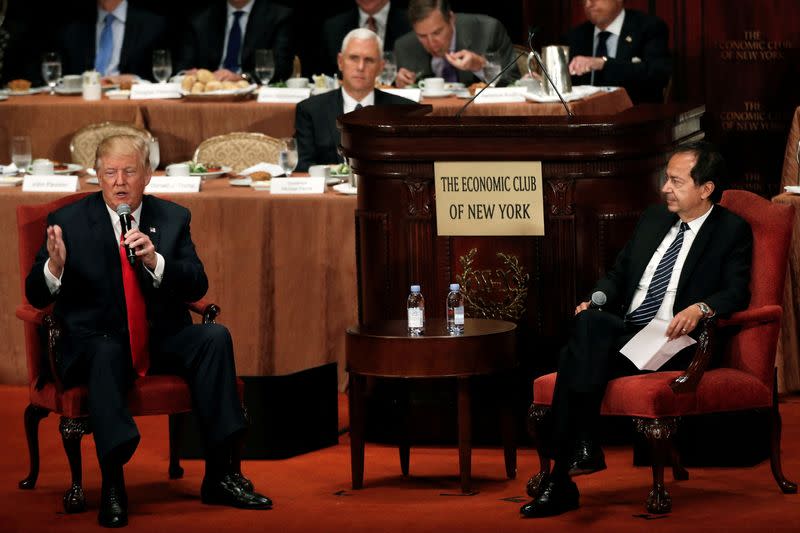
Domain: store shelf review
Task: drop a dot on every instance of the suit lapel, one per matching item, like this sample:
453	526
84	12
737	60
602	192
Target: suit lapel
333	113
149	225
130	38
626	37
218	19
651	238
253	30
701	242
102	232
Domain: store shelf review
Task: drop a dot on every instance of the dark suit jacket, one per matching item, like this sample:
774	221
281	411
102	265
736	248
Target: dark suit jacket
716	271
336	28
91	300
315	124
268	26
644	37
478	33
144	32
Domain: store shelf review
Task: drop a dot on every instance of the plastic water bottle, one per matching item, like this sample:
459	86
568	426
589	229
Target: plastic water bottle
455	310
416	312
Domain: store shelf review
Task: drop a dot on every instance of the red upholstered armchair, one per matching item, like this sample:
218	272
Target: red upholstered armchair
150	395
745	380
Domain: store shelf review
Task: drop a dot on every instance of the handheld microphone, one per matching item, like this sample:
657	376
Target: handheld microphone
531	33
124	212
599	299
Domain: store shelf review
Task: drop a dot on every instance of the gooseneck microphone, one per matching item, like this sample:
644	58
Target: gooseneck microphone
124	212
531	33
599	299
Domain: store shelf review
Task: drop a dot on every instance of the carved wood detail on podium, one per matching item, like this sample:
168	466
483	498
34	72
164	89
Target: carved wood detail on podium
376	226
500	293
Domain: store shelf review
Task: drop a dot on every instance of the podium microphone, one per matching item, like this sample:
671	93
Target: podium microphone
531	33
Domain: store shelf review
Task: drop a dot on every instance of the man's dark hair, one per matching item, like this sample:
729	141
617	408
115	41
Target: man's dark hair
710	166
420	9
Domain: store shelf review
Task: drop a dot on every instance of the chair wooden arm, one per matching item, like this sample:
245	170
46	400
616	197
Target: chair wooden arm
52	329
208	310
687	382
28	313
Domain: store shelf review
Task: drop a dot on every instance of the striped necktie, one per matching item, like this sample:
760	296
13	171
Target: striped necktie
643	314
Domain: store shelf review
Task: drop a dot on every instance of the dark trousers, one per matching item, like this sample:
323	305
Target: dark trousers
586	364
200	353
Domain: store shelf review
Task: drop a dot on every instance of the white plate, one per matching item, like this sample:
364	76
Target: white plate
241	182
3	97
794	189
215	174
10	181
334	180
63	91
436	94
93	181
32	90
116	94
453	86
345	188
71	168
275	170
261	185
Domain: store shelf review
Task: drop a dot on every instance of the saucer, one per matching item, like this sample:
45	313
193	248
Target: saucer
64	91
241	182
436	94
345	188
794	189
10	181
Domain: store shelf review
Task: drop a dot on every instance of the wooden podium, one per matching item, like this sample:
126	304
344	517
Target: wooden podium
599	173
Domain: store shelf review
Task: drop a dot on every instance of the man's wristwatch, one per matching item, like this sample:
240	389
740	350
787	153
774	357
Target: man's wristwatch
705	309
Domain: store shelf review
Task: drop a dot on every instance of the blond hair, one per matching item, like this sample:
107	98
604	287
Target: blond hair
124	145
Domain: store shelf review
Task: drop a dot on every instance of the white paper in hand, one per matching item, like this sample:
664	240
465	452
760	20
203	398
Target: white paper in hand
650	348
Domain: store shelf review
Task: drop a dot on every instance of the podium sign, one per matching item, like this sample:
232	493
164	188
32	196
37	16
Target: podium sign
489	198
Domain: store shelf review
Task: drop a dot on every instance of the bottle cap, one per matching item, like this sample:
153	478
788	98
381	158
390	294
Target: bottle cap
455	286
415	288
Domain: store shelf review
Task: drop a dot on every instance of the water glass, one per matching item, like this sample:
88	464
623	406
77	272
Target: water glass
155	154
51	70
264	65
288	156
162	65
21	152
389	72
492	67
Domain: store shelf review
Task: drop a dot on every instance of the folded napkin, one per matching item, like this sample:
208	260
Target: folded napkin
8	169
272	168
578	92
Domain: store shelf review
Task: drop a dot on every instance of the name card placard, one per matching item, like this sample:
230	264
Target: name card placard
411	94
476	198
173	184
279	95
497	95
47	183
297	185
152	91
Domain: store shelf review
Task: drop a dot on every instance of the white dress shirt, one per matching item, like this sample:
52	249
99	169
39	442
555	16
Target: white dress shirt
54	283
247	8
117	32
350	102
665	311
381	20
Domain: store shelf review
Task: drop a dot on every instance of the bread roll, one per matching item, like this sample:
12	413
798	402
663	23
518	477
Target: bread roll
19	85
242	84
198	87
229	85
188	82
204	75
213	85
260	176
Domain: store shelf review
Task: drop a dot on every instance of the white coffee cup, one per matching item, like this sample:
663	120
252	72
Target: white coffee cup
297	83
42	167
319	171
178	169
434	85
92	92
71	82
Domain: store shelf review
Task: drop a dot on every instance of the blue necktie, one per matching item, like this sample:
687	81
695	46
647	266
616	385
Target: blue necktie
234	44
103	56
602	51
643	314
449	72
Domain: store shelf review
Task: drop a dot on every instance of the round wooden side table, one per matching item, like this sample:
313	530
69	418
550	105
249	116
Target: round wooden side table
386	350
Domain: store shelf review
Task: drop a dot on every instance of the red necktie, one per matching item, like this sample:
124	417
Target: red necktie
137	316
371	25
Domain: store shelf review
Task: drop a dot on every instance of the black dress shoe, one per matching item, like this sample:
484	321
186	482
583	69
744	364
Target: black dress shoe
558	496
227	491
587	459
113	507
243	482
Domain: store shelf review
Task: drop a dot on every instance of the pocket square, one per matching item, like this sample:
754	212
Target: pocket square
636	60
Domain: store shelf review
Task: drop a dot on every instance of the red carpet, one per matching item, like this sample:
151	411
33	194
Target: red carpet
312	492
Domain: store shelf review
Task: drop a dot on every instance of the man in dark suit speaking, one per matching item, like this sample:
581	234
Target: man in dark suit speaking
621	47
125	317
361	60
687	259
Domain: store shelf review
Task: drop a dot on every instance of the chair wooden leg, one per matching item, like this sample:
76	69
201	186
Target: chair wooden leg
176	428
33	415
776	426
72	431
536	414
658	432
